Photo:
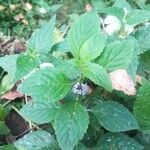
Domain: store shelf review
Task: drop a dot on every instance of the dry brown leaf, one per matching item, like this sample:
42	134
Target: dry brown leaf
12	95
121	81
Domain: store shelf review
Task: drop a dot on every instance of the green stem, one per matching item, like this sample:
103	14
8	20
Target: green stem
5	104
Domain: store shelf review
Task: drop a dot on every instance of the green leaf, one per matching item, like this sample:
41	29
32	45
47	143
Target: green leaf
85	39
37	140
3	128
61	46
118	142
142	106
2	112
114	117
8	63
137	16
80	146
98	75
98	4
25	64
6	84
122	4
38	112
42	39
46	84
144	66
8	147
143	37
68	67
70	124
115	11
117	55
133	68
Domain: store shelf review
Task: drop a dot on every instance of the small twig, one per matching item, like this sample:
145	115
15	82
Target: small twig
5	104
26	101
32	124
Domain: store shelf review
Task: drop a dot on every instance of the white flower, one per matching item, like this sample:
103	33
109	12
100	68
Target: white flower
112	24
81	89
121	81
46	64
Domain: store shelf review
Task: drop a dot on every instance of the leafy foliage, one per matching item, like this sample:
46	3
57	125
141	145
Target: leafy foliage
121	119
98	75
141	107
25	63
70	124
39	112
49	84
137	16
83	38
36	140
69	71
118	141
114	54
143	37
8	63
42	39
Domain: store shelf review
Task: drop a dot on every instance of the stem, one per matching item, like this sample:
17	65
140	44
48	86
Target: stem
26	101
5	104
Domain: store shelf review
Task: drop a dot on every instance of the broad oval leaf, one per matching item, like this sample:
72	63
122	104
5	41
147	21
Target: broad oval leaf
117	142
38	112
114	117
122	4
46	84
117	55
85	39
37	140
43	38
115	11
142	106
8	147
70	124
143	37
68	67
8	63
137	16
25	63
98	75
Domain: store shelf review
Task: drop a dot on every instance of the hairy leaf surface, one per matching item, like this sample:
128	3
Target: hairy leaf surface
48	84
114	117
70	124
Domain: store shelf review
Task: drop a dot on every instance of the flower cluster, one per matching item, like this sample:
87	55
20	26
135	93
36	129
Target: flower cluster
81	89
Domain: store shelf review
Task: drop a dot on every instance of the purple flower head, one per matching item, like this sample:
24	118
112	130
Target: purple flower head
80	88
